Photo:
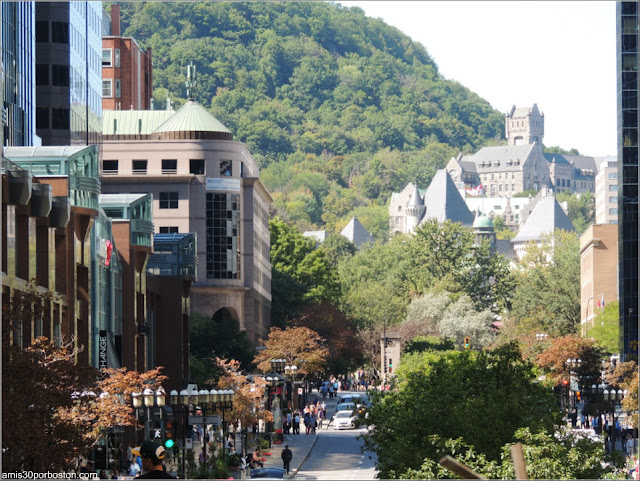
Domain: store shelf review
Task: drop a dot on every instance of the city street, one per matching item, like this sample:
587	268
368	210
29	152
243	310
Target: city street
337	455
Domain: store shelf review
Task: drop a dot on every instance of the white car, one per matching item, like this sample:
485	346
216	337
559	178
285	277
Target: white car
344	420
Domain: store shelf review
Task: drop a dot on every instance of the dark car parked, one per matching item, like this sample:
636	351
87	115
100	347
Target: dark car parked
271	473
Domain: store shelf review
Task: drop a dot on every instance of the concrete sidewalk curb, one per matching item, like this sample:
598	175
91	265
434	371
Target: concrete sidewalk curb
304	458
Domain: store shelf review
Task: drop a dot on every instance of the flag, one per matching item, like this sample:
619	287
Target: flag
603	301
599	303
475	191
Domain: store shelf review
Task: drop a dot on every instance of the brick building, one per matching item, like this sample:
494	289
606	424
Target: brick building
127	71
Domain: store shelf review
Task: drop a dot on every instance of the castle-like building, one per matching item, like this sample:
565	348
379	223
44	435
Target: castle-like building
521	165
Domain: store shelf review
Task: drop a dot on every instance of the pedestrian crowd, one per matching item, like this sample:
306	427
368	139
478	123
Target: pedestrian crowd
311	416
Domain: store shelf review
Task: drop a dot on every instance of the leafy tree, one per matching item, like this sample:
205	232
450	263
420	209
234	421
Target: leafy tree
559	150
581	210
526	193
331	324
547	296
568	456
219	336
481	397
301	274
461	320
428	343
444	256
299	346
373	282
338	247
606	328
553	360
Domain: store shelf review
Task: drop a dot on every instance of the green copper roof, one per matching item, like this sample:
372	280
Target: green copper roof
483	221
133	122
192	117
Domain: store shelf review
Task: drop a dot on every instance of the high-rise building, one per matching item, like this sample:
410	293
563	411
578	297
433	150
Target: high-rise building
18	73
127	73
627	28
69	72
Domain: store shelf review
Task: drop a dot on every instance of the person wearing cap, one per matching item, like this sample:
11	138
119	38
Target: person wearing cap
152	454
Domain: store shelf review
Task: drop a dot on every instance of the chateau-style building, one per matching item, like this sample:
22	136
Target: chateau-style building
521	165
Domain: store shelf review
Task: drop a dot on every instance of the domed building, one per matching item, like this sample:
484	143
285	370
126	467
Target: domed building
483	229
202	181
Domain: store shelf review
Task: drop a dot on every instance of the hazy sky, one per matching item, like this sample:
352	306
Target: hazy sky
558	54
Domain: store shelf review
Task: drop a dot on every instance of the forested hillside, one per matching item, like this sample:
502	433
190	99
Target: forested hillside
338	109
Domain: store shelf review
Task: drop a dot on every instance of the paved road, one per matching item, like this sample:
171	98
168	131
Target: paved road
337	455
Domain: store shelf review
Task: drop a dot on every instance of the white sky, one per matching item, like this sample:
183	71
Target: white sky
558	54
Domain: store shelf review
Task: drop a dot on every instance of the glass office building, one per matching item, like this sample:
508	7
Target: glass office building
18	73
69	72
627	84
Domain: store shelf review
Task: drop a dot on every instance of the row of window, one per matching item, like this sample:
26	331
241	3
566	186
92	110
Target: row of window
486	177
108	87
111	57
169	166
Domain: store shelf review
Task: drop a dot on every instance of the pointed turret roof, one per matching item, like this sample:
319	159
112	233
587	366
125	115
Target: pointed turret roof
443	201
193	121
356	233
545	218
416	198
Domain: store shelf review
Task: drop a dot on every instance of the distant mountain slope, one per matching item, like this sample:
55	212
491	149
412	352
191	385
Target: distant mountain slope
337	108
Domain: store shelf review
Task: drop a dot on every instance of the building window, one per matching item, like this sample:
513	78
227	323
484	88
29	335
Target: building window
169	166
613	175
613	199
169	230
42	117
107	88
613	211
139	166
168	200
60	118
613	187
42	74
60	75
109	167
107	60
222	236
117	84
557	182
226	167
513	186
59	32
116	59
42	31
196	166
563	183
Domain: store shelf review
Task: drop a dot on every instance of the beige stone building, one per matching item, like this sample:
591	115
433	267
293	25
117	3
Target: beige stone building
598	270
521	165
202	181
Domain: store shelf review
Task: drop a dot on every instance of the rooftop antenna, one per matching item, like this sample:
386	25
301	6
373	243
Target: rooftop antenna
191	80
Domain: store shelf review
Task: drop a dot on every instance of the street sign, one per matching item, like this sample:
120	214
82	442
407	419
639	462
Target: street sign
188	443
299	390
204	420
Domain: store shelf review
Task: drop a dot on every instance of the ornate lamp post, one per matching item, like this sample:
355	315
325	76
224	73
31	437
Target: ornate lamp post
151	399
222	400
573	365
290	373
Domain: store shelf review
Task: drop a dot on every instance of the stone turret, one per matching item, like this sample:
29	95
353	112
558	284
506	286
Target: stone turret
524	125
484	229
415	210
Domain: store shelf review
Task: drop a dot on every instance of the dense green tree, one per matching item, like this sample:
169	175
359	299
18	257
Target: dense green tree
606	327
373	281
219	336
482	397
338	248
559	150
547	296
301	274
292	79
445	257
428	343
566	456
581	208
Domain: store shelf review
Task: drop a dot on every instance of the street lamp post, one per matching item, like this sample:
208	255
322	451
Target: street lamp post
290	373
614	398
222	400
151	400
573	365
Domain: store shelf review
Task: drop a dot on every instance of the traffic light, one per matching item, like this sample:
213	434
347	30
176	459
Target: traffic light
578	395
467	342
168	435
390	366
565	382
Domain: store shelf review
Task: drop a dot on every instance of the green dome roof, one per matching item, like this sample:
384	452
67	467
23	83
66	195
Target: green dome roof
193	118
482	222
